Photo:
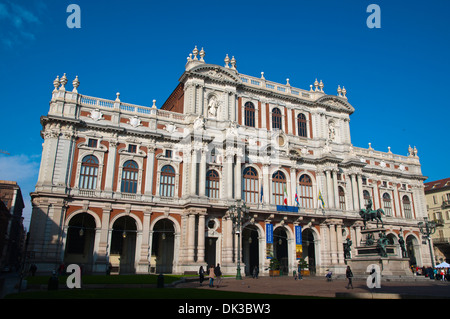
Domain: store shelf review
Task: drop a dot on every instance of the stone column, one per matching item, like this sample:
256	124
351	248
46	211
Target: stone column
237	177
201	239
149	170
191	237
335	188
360	191
227	240
229	171
266	184
340	247
110	166
355	197
293	185
333	244
330	197
144	262
202	176
193	185
103	245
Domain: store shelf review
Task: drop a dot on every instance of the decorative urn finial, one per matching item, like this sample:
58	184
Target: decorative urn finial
63	82
76	84
202	54
195	52
233	63
227	61
56	83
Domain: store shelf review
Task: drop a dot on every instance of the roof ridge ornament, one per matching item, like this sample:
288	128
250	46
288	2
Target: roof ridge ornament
227	61
76	84
233	63
202	55
63	83
56	83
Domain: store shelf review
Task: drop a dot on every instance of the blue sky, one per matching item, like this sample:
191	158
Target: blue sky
397	76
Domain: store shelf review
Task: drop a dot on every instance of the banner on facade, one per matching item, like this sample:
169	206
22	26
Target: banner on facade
298	242
284	208
269	241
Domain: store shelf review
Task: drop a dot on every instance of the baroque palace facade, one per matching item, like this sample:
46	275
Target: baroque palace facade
149	189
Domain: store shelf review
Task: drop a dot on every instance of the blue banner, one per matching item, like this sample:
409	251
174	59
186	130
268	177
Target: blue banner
269	233
298	235
283	208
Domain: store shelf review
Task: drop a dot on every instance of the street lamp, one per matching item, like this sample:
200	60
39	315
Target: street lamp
238	214
428	228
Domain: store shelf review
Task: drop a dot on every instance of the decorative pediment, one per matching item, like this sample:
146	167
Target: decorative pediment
336	103
215	73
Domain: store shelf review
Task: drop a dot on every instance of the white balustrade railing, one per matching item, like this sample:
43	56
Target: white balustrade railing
129	108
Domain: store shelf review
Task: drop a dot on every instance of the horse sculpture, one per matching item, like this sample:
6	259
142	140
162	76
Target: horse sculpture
372	215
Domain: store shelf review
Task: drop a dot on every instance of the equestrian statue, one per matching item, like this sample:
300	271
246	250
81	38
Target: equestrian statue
369	215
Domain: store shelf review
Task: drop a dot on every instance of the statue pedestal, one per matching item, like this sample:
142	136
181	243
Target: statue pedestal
368	253
390	266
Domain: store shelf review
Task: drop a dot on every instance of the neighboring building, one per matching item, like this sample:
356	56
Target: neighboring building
150	190
437	194
12	232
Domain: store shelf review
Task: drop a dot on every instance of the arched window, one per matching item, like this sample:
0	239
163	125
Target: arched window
276	118
301	124
129	177
306	192
167	181
341	198
366	196
387	204
88	172
212	184
278	188
250	185
249	112
407	207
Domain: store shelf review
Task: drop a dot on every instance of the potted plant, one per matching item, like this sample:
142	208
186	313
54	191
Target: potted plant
274	267
303	266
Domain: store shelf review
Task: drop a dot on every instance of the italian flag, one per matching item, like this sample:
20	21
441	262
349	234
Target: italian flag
285	195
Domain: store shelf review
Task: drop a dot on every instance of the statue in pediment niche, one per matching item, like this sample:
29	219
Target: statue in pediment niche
331	131
213	105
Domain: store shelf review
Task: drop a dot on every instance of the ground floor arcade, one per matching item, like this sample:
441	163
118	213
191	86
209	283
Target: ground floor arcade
180	240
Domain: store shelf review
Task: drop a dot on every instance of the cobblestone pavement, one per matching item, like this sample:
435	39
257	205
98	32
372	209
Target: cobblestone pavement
320	287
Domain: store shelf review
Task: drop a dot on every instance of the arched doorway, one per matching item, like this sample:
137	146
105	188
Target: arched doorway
309	250
163	246
250	248
80	241
123	245
280	244
412	249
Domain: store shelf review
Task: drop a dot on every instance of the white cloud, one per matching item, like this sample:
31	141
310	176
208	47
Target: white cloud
18	22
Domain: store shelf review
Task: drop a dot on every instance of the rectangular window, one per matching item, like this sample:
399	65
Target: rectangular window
132	148
92	142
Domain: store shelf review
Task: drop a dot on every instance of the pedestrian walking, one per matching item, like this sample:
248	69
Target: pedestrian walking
349	275
211	276
299	270
33	269
201	274
255	272
218	274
